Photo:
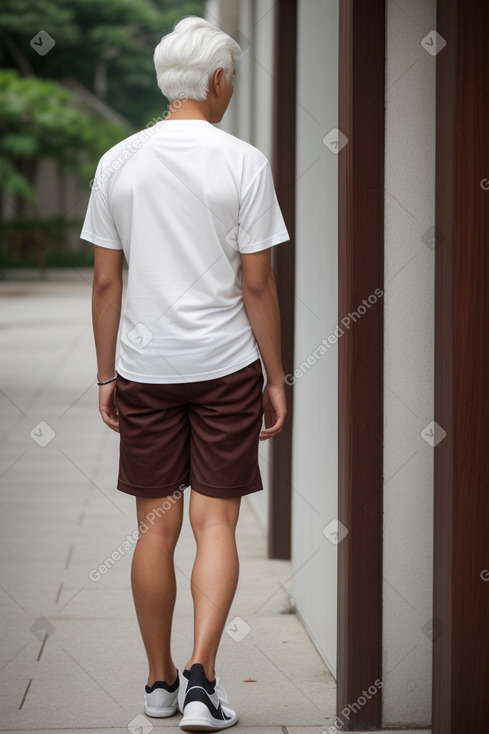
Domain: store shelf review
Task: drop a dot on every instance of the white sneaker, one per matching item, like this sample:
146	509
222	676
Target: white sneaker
161	699
184	678
205	705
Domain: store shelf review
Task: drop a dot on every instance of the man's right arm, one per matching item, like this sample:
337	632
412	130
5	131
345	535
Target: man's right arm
261	301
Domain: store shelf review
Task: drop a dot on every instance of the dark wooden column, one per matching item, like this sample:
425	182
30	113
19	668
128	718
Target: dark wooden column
283	164
360	368
461	471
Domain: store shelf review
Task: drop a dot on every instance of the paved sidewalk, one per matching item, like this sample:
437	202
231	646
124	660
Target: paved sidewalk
72	658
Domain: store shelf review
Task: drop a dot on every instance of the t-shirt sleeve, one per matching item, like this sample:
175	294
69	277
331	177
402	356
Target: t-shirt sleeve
260	221
99	226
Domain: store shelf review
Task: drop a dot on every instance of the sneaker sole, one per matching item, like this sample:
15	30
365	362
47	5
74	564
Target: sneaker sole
160	713
198	718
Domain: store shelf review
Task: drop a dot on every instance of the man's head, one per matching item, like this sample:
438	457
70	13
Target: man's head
196	61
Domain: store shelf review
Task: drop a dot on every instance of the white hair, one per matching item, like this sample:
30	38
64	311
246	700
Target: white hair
186	58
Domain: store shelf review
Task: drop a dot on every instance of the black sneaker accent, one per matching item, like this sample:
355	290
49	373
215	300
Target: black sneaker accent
163	684
197	694
197	688
197	673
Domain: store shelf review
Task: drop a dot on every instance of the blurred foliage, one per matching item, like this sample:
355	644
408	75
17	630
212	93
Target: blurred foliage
40	119
108	46
41	243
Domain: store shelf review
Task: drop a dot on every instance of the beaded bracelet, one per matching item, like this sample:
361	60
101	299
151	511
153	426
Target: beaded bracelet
104	382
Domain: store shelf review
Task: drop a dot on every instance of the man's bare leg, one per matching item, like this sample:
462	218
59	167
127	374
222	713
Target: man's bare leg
214	574
154	583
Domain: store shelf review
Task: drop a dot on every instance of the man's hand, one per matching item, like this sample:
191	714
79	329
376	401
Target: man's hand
107	405
274	411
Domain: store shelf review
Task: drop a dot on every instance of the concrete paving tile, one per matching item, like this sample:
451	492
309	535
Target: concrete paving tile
167	724
74	638
323	730
171	724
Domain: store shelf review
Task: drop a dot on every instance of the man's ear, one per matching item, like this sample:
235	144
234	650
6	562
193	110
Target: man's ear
216	81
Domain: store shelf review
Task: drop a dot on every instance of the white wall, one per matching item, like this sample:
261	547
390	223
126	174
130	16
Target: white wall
408	303
408	366
249	117
315	442
225	14
253	105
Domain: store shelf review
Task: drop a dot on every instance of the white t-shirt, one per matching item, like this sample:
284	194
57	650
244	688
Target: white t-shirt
183	199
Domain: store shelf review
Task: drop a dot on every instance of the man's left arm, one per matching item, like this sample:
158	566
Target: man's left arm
106	313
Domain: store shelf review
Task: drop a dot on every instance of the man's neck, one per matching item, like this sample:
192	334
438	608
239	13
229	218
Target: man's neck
188	109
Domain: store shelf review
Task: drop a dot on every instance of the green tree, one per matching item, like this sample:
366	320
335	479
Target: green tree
108	46
40	119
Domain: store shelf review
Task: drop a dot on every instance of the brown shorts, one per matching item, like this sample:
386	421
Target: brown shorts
202	434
